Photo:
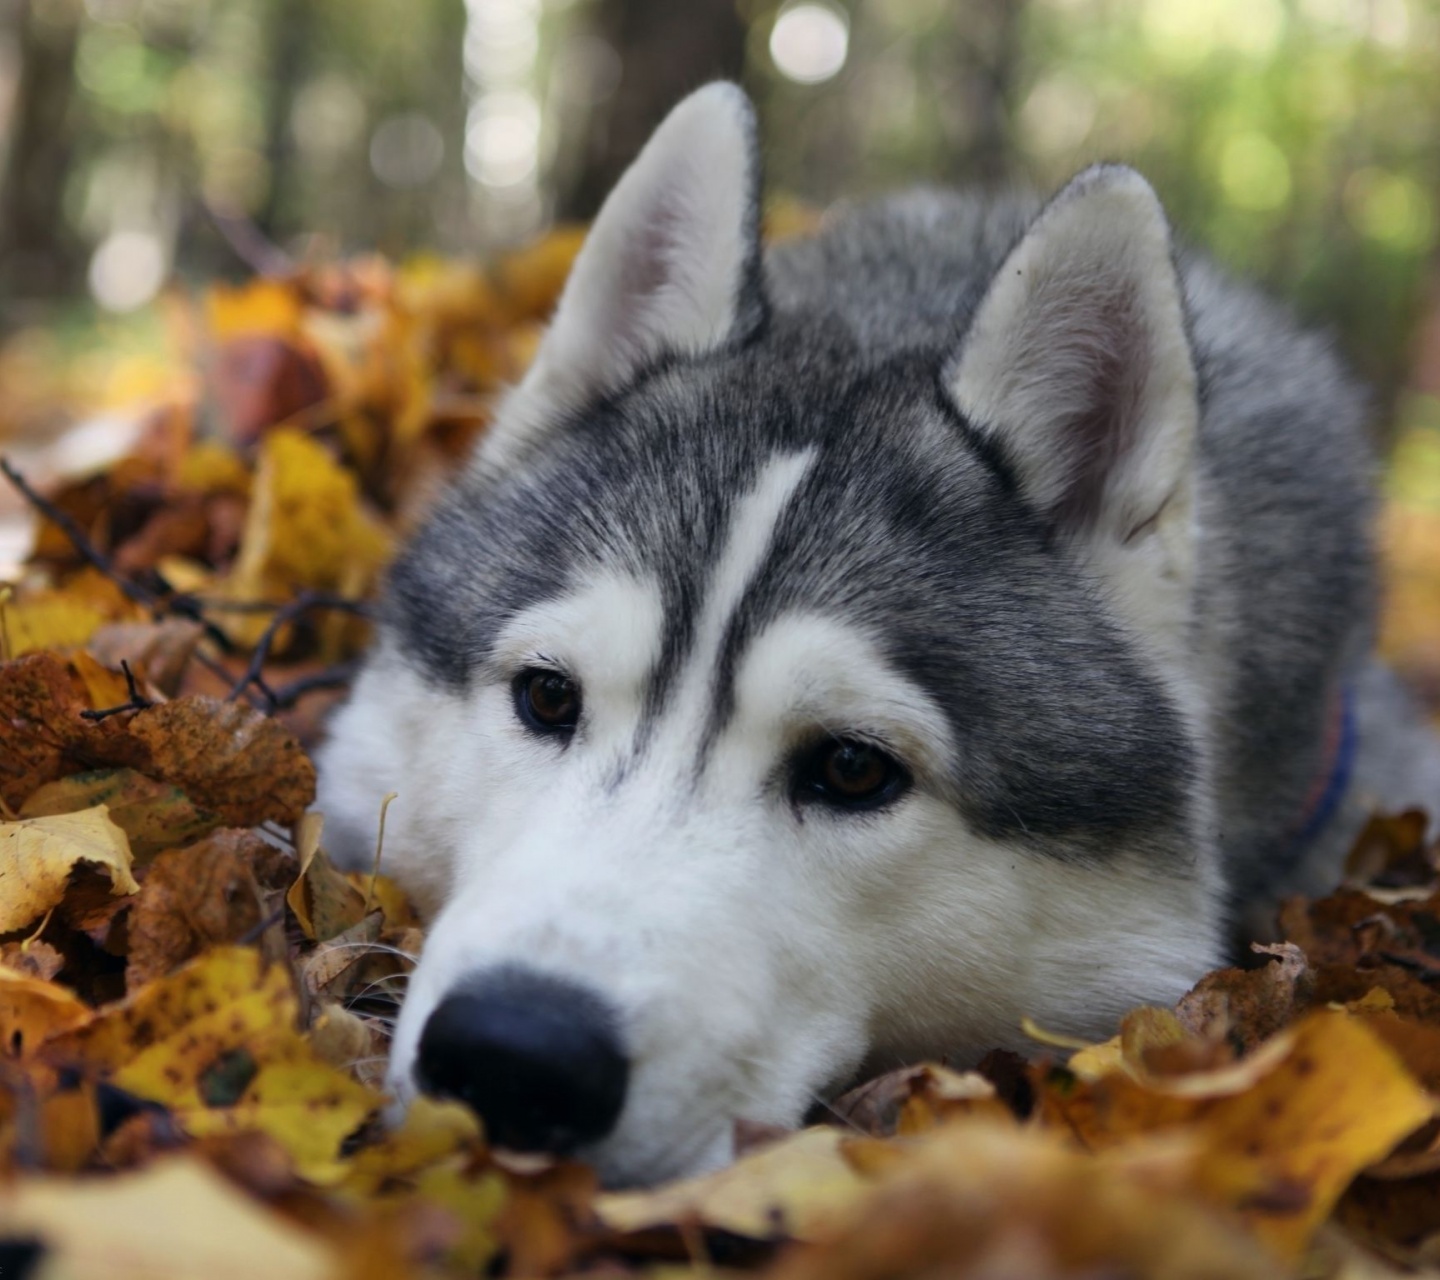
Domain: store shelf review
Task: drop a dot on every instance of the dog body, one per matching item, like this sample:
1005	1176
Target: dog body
835	655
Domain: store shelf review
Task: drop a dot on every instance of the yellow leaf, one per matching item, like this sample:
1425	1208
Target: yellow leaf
305	528
1280	1134
800	1186
325	902
37	856
175	1220
32	1010
431	1131
268	308
307	1106
137	1033
975	1198
48	620
1141	1029
260	1021
153	815
212	467
475	1201
939	1095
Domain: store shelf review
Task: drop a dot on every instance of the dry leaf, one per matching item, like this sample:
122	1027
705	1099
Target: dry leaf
980	1201
176	1220
194	898
37	856
153	815
801	1186
226	757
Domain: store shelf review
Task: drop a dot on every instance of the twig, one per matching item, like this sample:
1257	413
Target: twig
379	849
336	677
300	605
250	244
172	602
136	702
78	538
255	933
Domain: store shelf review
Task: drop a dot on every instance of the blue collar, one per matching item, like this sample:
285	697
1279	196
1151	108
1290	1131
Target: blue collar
1324	800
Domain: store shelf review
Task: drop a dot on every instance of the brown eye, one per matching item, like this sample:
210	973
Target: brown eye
851	774
547	701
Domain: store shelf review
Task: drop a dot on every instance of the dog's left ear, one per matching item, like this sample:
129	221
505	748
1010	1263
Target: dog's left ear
671	267
1078	367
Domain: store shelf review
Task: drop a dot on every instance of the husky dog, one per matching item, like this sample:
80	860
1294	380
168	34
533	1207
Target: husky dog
836	654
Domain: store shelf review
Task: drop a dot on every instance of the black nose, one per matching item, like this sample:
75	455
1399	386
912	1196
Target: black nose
539	1059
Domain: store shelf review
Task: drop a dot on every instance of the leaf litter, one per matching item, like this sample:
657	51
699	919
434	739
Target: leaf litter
195	1003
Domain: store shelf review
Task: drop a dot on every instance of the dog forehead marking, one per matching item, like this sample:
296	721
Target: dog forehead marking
748	541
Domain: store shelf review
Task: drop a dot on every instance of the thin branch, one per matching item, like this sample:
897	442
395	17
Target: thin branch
251	245
136	702
340	676
171	603
78	538
302	604
254	934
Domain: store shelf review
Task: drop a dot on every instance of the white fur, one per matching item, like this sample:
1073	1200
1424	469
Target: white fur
758	950
659	272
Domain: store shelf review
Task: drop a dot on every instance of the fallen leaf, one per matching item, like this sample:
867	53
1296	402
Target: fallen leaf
37	856
985	1201
325	902
228	758
1282	1132
195	897
176	1220
33	1011
153	815
799	1187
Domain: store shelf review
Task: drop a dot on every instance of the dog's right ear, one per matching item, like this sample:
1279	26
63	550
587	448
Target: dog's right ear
670	267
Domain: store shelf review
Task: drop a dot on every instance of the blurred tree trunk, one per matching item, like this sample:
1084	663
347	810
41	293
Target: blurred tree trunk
40	257
988	48
292	32
666	49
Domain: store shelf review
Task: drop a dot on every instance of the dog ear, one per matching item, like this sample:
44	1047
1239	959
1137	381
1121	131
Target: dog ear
671	267
1078	366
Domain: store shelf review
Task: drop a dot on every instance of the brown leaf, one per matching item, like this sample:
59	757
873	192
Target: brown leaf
158	652
41	698
227	758
1244	1007
977	1201
193	898
1391	852
31	958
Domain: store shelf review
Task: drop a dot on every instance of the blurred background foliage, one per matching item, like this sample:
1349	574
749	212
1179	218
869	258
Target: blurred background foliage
149	148
148	143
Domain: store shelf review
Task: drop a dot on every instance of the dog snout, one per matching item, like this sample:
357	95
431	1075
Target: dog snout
539	1059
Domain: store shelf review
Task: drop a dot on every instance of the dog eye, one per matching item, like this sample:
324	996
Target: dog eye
546	701
850	774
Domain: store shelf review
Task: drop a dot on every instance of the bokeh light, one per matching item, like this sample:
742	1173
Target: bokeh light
809	41
127	270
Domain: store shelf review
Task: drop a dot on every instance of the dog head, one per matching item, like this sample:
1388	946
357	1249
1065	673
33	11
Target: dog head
773	698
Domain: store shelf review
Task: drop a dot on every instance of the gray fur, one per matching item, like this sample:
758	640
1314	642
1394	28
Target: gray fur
911	522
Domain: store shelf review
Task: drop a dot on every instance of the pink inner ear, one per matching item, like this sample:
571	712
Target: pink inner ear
647	267
1095	352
